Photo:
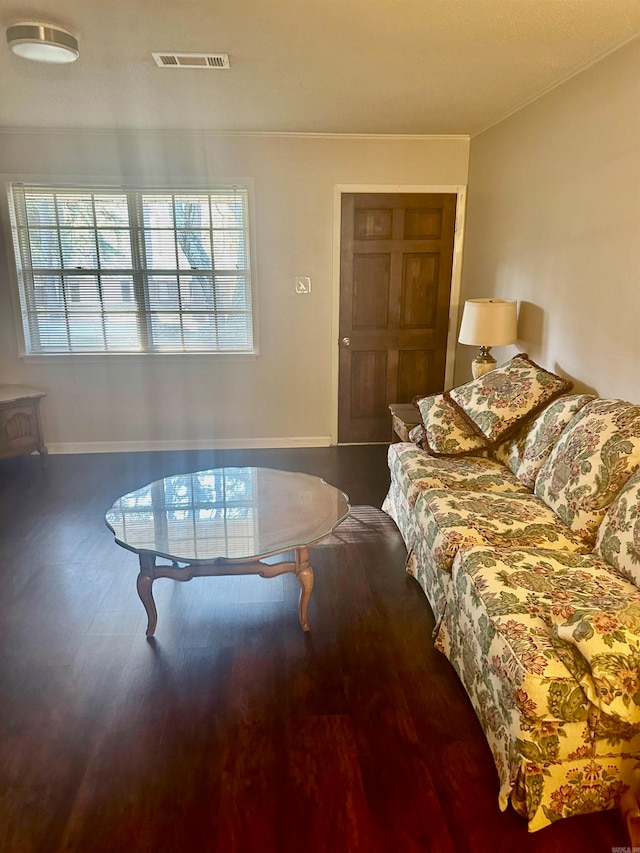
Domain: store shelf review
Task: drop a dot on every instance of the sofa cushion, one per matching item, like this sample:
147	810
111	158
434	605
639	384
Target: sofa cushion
413	471
509	595
526	452
591	461
452	520
446	431
497	401
618	540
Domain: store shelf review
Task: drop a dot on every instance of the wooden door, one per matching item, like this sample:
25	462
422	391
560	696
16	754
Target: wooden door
396	259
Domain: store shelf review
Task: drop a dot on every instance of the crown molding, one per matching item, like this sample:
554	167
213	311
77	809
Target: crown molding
87	131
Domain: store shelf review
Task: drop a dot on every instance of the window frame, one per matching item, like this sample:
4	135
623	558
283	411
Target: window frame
96	185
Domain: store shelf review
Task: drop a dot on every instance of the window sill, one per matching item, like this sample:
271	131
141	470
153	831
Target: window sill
67	358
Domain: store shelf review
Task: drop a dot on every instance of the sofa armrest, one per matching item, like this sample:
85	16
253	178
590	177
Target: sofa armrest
605	648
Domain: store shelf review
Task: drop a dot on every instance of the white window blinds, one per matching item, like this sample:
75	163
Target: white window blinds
112	270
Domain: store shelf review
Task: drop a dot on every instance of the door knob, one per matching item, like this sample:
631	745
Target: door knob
346	342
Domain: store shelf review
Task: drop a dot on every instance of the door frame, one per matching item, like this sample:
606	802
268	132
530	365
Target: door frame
460	190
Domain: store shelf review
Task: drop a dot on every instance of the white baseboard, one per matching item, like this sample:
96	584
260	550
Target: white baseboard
204	444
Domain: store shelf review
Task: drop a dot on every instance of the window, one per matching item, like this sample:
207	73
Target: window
129	271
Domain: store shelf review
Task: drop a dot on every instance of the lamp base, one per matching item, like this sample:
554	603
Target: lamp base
483	363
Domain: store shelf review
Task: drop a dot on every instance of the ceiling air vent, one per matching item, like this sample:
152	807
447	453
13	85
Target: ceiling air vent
191	60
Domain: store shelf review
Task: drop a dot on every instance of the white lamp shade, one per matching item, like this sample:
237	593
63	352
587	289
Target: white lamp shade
42	42
489	322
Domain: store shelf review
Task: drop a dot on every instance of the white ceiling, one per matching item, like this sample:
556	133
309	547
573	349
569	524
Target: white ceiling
327	66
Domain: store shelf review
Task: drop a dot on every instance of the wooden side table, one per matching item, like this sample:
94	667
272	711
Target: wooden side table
404	416
20	425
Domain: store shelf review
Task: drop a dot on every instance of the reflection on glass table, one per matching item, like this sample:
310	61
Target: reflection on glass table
226	521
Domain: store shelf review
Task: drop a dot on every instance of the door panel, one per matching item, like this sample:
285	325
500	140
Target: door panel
414	369
368	384
395	282
419	291
370	291
422	223
372	224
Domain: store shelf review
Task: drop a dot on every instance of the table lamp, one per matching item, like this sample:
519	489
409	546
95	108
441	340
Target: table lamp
488	323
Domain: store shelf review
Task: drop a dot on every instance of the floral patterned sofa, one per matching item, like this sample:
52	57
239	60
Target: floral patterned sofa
519	504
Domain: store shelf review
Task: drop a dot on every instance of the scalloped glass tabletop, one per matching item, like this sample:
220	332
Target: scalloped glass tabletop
227	514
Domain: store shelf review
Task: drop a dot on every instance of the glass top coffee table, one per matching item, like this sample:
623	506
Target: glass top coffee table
226	521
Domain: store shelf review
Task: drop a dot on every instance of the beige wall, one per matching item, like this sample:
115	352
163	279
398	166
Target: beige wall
553	220
285	394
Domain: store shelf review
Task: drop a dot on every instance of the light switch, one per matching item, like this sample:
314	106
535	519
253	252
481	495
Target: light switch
303	284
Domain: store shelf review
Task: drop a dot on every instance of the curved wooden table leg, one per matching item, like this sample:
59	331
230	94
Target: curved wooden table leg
144	585
304	573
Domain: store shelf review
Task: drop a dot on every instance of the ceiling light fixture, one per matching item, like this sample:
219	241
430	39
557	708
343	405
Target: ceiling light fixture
42	42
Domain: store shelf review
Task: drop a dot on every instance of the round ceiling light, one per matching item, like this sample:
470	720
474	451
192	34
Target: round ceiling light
43	42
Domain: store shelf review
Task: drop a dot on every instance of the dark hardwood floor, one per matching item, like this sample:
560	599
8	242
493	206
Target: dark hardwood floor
232	730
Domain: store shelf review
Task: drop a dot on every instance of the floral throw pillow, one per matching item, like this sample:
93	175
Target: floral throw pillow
618	539
445	430
416	436
496	402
